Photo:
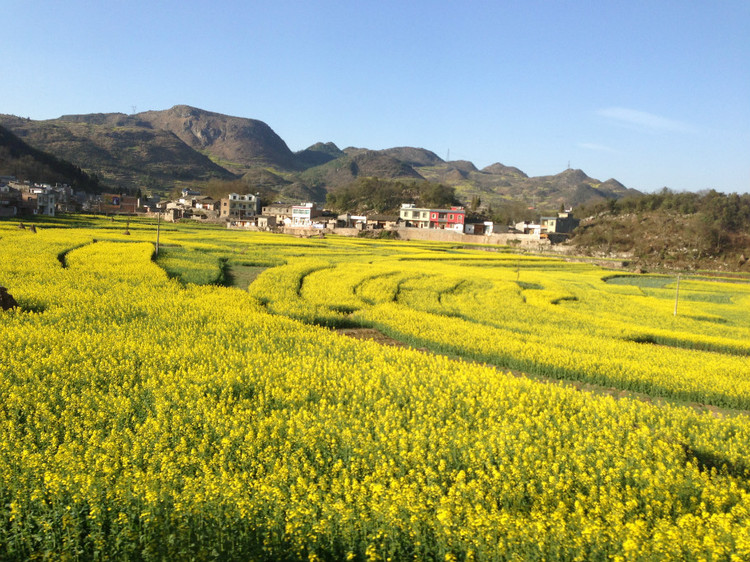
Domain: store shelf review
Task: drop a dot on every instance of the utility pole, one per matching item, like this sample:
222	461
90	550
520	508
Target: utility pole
677	295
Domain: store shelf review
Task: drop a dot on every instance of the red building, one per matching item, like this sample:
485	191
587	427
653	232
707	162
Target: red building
451	219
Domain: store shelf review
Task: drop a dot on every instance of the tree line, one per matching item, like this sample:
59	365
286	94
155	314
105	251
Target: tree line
377	195
28	163
669	225
730	213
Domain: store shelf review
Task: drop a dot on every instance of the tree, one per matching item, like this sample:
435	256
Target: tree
476	202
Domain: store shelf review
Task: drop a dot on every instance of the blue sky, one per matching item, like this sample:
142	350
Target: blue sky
653	93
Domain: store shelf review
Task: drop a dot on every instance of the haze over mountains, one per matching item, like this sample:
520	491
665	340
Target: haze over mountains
161	150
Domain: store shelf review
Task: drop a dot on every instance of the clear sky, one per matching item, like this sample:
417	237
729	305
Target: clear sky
653	93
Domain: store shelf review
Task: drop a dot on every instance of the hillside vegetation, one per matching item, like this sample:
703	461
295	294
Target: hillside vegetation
159	151
708	230
23	161
373	195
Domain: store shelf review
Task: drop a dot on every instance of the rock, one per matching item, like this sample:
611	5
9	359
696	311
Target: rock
6	299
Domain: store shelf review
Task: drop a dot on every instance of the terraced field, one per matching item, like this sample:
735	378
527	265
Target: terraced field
207	403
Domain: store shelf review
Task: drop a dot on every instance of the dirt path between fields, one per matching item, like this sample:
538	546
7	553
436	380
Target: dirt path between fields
715	411
373	334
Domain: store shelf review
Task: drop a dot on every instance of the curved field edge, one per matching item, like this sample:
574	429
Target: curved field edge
685	366
149	420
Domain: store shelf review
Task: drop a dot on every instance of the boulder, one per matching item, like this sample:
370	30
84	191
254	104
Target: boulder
6	299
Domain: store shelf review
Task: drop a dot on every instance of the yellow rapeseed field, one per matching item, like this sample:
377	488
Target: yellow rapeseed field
148	411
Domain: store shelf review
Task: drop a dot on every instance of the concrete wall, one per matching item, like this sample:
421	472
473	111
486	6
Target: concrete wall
300	231
504	239
525	241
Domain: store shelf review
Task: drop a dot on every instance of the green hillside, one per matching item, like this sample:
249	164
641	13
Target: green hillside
23	161
187	146
708	230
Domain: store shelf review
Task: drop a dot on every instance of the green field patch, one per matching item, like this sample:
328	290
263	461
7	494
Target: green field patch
189	265
241	275
568	298
649	281
529	286
715	298
705	318
698	345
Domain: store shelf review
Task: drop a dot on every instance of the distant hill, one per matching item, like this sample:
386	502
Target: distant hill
709	231
25	162
236	143
354	163
318	154
498	183
122	151
162	150
413	156
498	169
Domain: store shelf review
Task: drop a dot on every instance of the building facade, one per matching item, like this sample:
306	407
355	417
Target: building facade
418	217
562	223
39	200
237	206
303	215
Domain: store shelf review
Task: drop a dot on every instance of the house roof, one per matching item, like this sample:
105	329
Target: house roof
377	217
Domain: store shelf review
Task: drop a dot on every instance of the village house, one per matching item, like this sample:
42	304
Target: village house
380	221
303	214
26	198
10	200
205	203
116	204
563	223
450	219
264	222
187	193
236	206
277	209
39	199
526	227
67	201
413	217
480	228
200	207
173	211
347	220
281	212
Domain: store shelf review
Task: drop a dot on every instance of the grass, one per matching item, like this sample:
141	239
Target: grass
241	275
642	281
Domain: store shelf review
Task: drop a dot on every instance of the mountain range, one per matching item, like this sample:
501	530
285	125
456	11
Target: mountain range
185	146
